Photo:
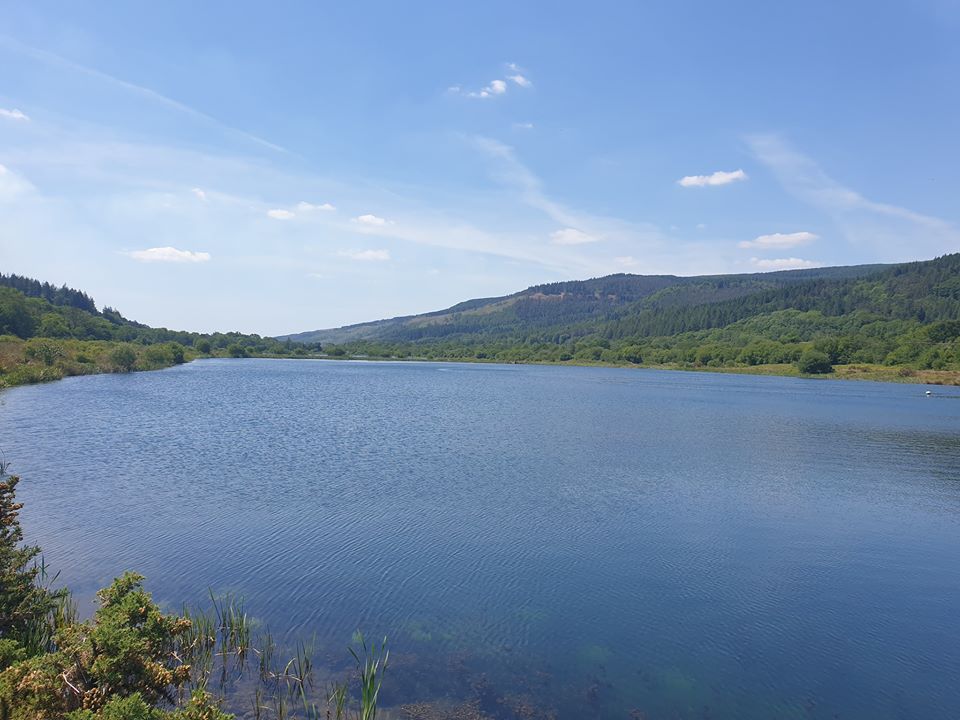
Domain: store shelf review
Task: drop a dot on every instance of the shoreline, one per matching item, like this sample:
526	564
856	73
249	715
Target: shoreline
857	371
894	374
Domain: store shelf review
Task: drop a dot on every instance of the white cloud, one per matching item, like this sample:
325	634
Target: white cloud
199	193
626	261
783	263
280	214
779	240
495	88
14	114
169	254
571	236
371	220
720	177
523	125
309	207
701	226
366	255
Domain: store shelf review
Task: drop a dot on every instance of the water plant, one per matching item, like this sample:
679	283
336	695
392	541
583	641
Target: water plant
372	664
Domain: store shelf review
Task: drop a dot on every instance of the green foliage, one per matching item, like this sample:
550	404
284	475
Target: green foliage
236	350
123	358
15	316
371	665
30	309
134	662
814	362
903	316
132	707
53	325
46	351
127	649
24	602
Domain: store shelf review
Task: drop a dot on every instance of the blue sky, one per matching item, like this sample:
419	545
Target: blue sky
277	167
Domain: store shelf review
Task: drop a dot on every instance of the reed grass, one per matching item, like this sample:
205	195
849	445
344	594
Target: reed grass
372	667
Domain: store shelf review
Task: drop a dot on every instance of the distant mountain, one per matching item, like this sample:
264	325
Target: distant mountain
886	316
573	303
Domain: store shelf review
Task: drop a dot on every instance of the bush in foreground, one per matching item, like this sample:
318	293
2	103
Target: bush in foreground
133	662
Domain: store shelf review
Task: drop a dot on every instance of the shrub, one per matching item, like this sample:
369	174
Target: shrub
814	362
46	351
123	358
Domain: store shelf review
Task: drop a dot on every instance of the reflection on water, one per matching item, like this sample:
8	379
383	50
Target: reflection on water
536	541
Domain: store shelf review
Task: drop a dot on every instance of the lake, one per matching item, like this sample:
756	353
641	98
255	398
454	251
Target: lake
588	542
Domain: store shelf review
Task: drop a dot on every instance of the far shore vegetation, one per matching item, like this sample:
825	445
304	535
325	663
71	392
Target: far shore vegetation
898	323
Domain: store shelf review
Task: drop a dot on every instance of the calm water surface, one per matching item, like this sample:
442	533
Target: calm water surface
583	541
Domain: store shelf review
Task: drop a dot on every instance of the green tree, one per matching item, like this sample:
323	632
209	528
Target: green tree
814	362
15	316
53	325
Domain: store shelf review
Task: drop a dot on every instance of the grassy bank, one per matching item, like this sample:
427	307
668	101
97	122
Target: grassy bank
37	360
856	371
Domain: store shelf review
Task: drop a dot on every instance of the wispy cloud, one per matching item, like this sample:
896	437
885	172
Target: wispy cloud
523	125
14	114
530	190
790	263
199	194
309	207
902	233
370	220
281	214
720	177
169	255
520	80
572	236
12	186
779	241
50	58
366	255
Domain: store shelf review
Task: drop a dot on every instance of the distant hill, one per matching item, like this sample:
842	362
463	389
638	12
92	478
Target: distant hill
574	302
903	316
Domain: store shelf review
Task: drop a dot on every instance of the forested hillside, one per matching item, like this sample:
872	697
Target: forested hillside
564	304
48	332
899	316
